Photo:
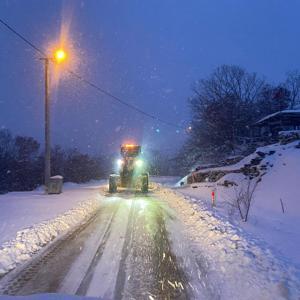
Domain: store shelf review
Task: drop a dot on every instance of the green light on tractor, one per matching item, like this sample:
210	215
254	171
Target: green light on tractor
139	163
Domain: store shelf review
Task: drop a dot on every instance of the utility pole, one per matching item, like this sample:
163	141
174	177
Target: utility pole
59	56
47	127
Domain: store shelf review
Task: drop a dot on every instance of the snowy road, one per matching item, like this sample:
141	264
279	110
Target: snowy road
158	246
123	251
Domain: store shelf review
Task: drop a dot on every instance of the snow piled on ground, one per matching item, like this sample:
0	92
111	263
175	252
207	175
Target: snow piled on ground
165	180
238	267
278	230
268	227
30	220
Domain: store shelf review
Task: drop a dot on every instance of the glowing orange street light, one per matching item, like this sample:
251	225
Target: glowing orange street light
60	55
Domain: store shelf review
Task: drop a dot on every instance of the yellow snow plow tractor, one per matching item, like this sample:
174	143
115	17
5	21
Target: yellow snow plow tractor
131	170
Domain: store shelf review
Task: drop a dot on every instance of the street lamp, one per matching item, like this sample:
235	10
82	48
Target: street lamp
58	57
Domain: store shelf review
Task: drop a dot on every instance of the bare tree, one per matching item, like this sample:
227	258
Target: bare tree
293	85
222	106
229	81
244	198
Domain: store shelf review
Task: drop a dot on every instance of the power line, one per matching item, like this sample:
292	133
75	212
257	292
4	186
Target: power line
23	38
93	85
121	101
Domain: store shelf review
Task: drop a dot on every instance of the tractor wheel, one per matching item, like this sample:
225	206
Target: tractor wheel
113	183
145	183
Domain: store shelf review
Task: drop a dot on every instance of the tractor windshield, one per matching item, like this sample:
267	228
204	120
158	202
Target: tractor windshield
130	150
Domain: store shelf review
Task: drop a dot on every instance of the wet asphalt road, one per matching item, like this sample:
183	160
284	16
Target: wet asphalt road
123	252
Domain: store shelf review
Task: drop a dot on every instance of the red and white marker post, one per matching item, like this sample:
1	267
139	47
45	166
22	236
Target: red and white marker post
213	197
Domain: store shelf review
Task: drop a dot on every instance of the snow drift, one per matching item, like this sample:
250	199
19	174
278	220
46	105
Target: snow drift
234	266
31	239
274	216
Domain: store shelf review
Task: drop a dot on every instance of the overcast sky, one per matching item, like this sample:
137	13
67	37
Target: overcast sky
146	52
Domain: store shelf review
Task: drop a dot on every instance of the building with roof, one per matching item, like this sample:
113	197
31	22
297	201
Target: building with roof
271	125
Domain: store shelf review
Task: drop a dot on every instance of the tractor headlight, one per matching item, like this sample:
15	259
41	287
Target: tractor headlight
139	163
120	162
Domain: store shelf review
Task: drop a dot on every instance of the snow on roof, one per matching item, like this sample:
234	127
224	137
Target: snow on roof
287	111
57	177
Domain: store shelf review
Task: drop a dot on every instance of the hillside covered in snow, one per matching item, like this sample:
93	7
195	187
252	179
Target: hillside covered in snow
272	175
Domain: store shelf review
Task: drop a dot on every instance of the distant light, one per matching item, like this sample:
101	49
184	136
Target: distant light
189	129
177	131
157	130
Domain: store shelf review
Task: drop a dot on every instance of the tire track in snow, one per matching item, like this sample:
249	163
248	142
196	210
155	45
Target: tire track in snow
149	268
84	285
121	277
105	276
15	282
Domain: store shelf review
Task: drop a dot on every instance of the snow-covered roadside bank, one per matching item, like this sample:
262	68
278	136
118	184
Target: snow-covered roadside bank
30	220
165	180
237	268
274	216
